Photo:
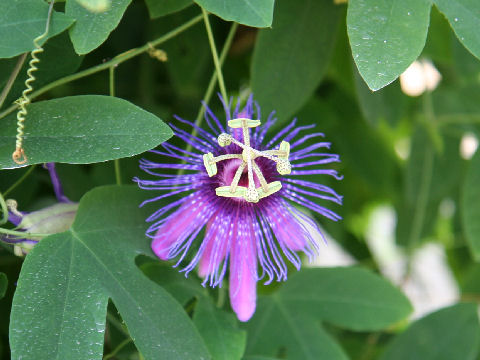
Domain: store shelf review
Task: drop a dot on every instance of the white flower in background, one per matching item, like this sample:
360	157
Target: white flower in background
419	77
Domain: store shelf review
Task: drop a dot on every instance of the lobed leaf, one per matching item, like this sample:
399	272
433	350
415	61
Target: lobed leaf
348	297
71	275
219	330
451	333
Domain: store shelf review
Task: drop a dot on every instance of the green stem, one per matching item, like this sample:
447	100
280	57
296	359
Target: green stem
216	61
117	349
115	61
11	79
22	234
117	324
4	207
213	79
431	124
221	296
19	181
422	199
116	162
111	82
211	86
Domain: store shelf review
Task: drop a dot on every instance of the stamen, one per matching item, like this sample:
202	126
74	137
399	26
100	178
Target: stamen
248	156
259	174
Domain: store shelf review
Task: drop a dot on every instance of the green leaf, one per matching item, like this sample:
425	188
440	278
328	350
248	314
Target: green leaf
92	29
430	175
471	206
24	20
258	13
451	333
290	59
464	17
3	284
157	8
219	330
348	297
386	105
181	288
82	129
70	277
58	60
386	36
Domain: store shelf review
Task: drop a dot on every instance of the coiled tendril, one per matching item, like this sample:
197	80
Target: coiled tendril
19	154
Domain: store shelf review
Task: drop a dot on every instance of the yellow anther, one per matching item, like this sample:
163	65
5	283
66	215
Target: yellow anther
273	187
243	122
225	191
209	163
284	150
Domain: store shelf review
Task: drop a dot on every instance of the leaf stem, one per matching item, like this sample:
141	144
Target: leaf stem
216	61
115	61
117	349
111	82
11	79
19	181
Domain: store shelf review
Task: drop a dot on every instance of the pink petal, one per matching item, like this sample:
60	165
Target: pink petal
173	229
214	252
288	231
243	278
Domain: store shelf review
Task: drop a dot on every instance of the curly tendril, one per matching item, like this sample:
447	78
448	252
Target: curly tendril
19	154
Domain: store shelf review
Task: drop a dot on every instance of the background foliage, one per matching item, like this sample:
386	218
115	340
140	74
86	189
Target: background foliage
112	70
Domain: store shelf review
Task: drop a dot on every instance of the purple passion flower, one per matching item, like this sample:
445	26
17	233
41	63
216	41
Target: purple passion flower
50	220
240	195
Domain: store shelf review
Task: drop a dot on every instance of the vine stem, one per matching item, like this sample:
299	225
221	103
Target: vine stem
11	79
216	61
211	85
114	62
111	82
117	349
213	79
4	208
19	181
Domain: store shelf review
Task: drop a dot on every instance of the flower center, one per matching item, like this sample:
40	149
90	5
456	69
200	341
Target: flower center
244	164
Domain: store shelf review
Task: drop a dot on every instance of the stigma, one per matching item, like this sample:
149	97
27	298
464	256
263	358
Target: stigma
255	190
